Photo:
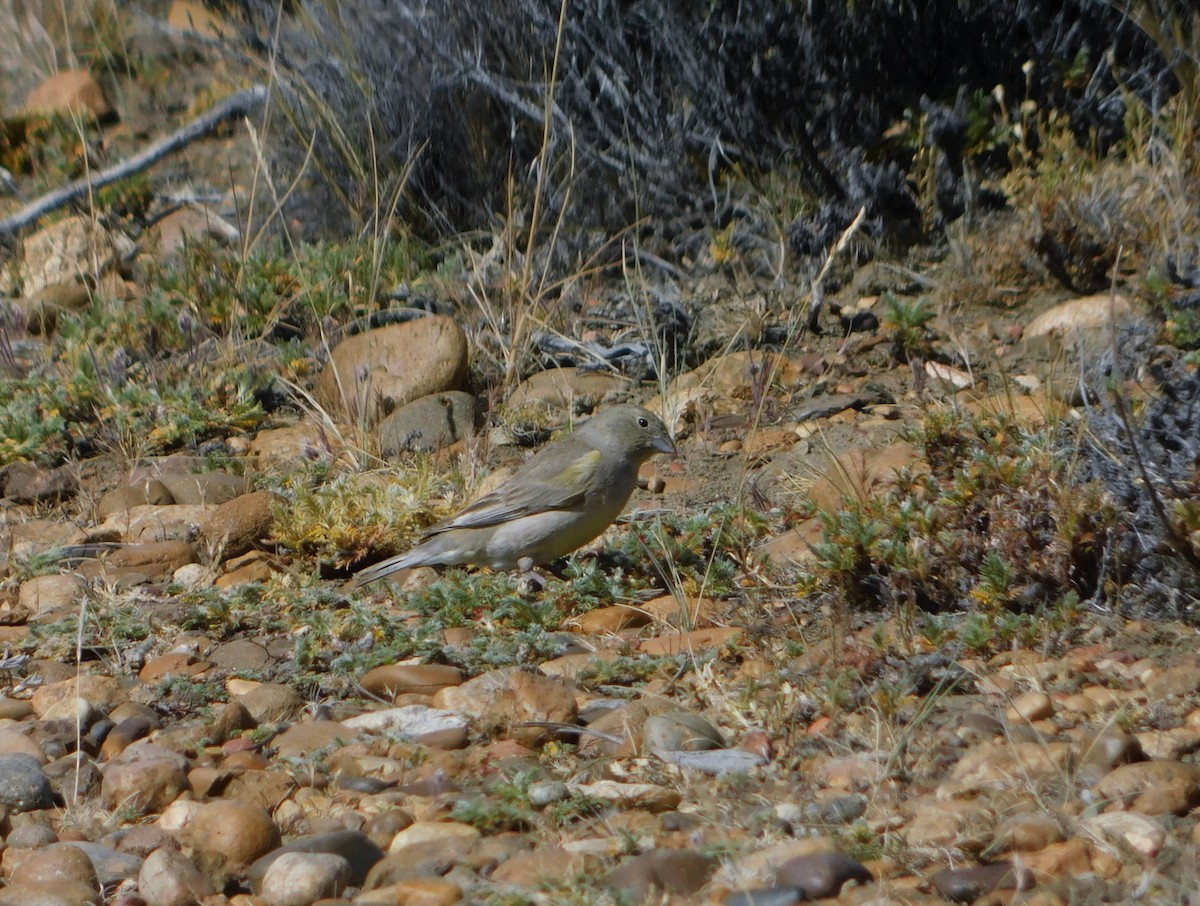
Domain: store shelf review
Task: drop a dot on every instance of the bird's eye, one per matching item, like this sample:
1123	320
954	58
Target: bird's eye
643	423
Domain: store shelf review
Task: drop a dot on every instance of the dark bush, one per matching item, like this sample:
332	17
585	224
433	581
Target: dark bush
656	102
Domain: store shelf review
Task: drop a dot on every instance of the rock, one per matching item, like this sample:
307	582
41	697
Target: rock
1027	832
767	896
212	488
511	696
1141	834
187	224
189	16
151	559
299	879
1086	313
150	492
1008	765
169	878
103	693
71	92
1153	787
241	832
679	731
354	846
449	835
397	679
662	871
821	875
423	725
415	892
111	867
30	836
560	388
152	523
23	785
248	656
646	796
546	864
43	594
429	424
240	524
56	862
1030	707
144	779
50	893
68	251
26	483
696	641
286	448
270	703
964	885
373	373
307	736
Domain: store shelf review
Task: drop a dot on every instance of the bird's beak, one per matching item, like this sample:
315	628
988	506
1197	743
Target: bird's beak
666	445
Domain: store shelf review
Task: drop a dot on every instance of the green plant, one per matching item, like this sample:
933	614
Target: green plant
906	321
986	518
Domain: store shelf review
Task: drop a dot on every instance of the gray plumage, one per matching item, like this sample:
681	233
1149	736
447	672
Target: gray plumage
559	500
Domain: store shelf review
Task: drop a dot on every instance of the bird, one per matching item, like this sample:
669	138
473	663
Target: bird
562	498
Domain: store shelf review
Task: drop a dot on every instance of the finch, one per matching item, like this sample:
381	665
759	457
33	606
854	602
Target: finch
562	498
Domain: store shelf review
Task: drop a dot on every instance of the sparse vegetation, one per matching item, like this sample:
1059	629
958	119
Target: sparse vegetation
658	195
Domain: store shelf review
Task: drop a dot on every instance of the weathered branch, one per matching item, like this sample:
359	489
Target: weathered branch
241	104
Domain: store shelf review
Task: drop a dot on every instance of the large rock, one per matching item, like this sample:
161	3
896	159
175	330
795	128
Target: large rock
70	92
375	372
68	251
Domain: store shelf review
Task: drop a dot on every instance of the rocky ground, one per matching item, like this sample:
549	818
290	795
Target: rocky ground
866	640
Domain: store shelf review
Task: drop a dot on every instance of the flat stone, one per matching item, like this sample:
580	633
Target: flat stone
391	680
424	725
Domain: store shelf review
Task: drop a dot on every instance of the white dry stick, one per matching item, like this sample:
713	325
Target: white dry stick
241	104
816	300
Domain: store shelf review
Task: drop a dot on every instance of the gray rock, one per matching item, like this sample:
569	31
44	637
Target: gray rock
664	870
111	866
355	846
821	874
24	787
964	885
770	896
430	423
298	879
169	878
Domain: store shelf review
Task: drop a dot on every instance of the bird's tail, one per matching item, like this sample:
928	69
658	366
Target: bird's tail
386	568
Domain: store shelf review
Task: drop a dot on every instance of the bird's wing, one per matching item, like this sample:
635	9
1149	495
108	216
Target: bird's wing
541	485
